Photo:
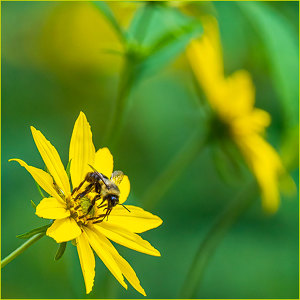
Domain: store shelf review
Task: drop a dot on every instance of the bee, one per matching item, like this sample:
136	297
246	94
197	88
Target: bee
105	188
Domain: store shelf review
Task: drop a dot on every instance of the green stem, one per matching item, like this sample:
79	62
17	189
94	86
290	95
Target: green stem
170	174
213	238
119	110
128	77
21	249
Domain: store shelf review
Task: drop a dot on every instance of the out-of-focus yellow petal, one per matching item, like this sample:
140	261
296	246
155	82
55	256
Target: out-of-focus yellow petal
64	230
266	166
205	57
251	123
51	208
43	179
103	249
82	150
126	238
87	261
128	272
137	220
52	161
104	162
124	188
239	96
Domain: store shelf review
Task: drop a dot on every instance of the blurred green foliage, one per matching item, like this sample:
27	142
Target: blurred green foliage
59	58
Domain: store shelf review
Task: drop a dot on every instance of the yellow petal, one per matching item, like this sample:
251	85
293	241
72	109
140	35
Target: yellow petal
103	248
82	150
64	230
124	188
266	166
239	94
52	161
205	57
87	261
51	208
43	179
137	220
126	238
104	162
128	272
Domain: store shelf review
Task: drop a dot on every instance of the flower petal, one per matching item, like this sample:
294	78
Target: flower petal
52	161
128	272
64	230
126	238
43	179
82	150
51	208
137	220
104	162
124	188
87	261
103	248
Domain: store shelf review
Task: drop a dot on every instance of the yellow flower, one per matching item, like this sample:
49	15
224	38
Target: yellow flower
72	219
232	99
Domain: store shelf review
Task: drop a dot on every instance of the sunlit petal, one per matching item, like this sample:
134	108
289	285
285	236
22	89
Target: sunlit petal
104	162
126	238
43	179
64	230
52	161
124	187
51	208
82	150
128	272
136	219
103	249
87	261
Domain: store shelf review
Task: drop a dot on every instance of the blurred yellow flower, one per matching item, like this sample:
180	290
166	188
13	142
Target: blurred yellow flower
69	209
232	100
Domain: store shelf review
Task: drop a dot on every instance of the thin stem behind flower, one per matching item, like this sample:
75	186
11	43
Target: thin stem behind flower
215	235
21	249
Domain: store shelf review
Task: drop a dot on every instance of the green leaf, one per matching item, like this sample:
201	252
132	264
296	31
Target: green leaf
33	204
40	190
281	45
170	45
141	23
68	170
109	15
60	251
33	232
164	48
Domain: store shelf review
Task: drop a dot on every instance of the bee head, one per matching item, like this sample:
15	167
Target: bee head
112	200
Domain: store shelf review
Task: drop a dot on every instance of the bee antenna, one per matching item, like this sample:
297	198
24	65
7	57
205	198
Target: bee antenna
93	168
125	207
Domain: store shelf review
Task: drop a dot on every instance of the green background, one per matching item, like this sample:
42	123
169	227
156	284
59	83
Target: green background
53	67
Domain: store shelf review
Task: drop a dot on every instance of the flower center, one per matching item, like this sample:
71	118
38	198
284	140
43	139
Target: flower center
84	209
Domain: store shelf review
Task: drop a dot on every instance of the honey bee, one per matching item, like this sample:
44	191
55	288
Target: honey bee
105	188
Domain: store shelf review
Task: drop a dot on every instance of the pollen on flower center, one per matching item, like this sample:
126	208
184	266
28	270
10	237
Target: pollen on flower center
83	209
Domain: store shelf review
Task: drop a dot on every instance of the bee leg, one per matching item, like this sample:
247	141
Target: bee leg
86	191
97	188
77	188
100	216
93	203
99	206
108	213
101	203
96	218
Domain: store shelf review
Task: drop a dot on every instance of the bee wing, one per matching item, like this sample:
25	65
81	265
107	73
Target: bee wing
117	177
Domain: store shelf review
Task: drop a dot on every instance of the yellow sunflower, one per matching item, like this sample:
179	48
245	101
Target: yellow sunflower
232	99
73	221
